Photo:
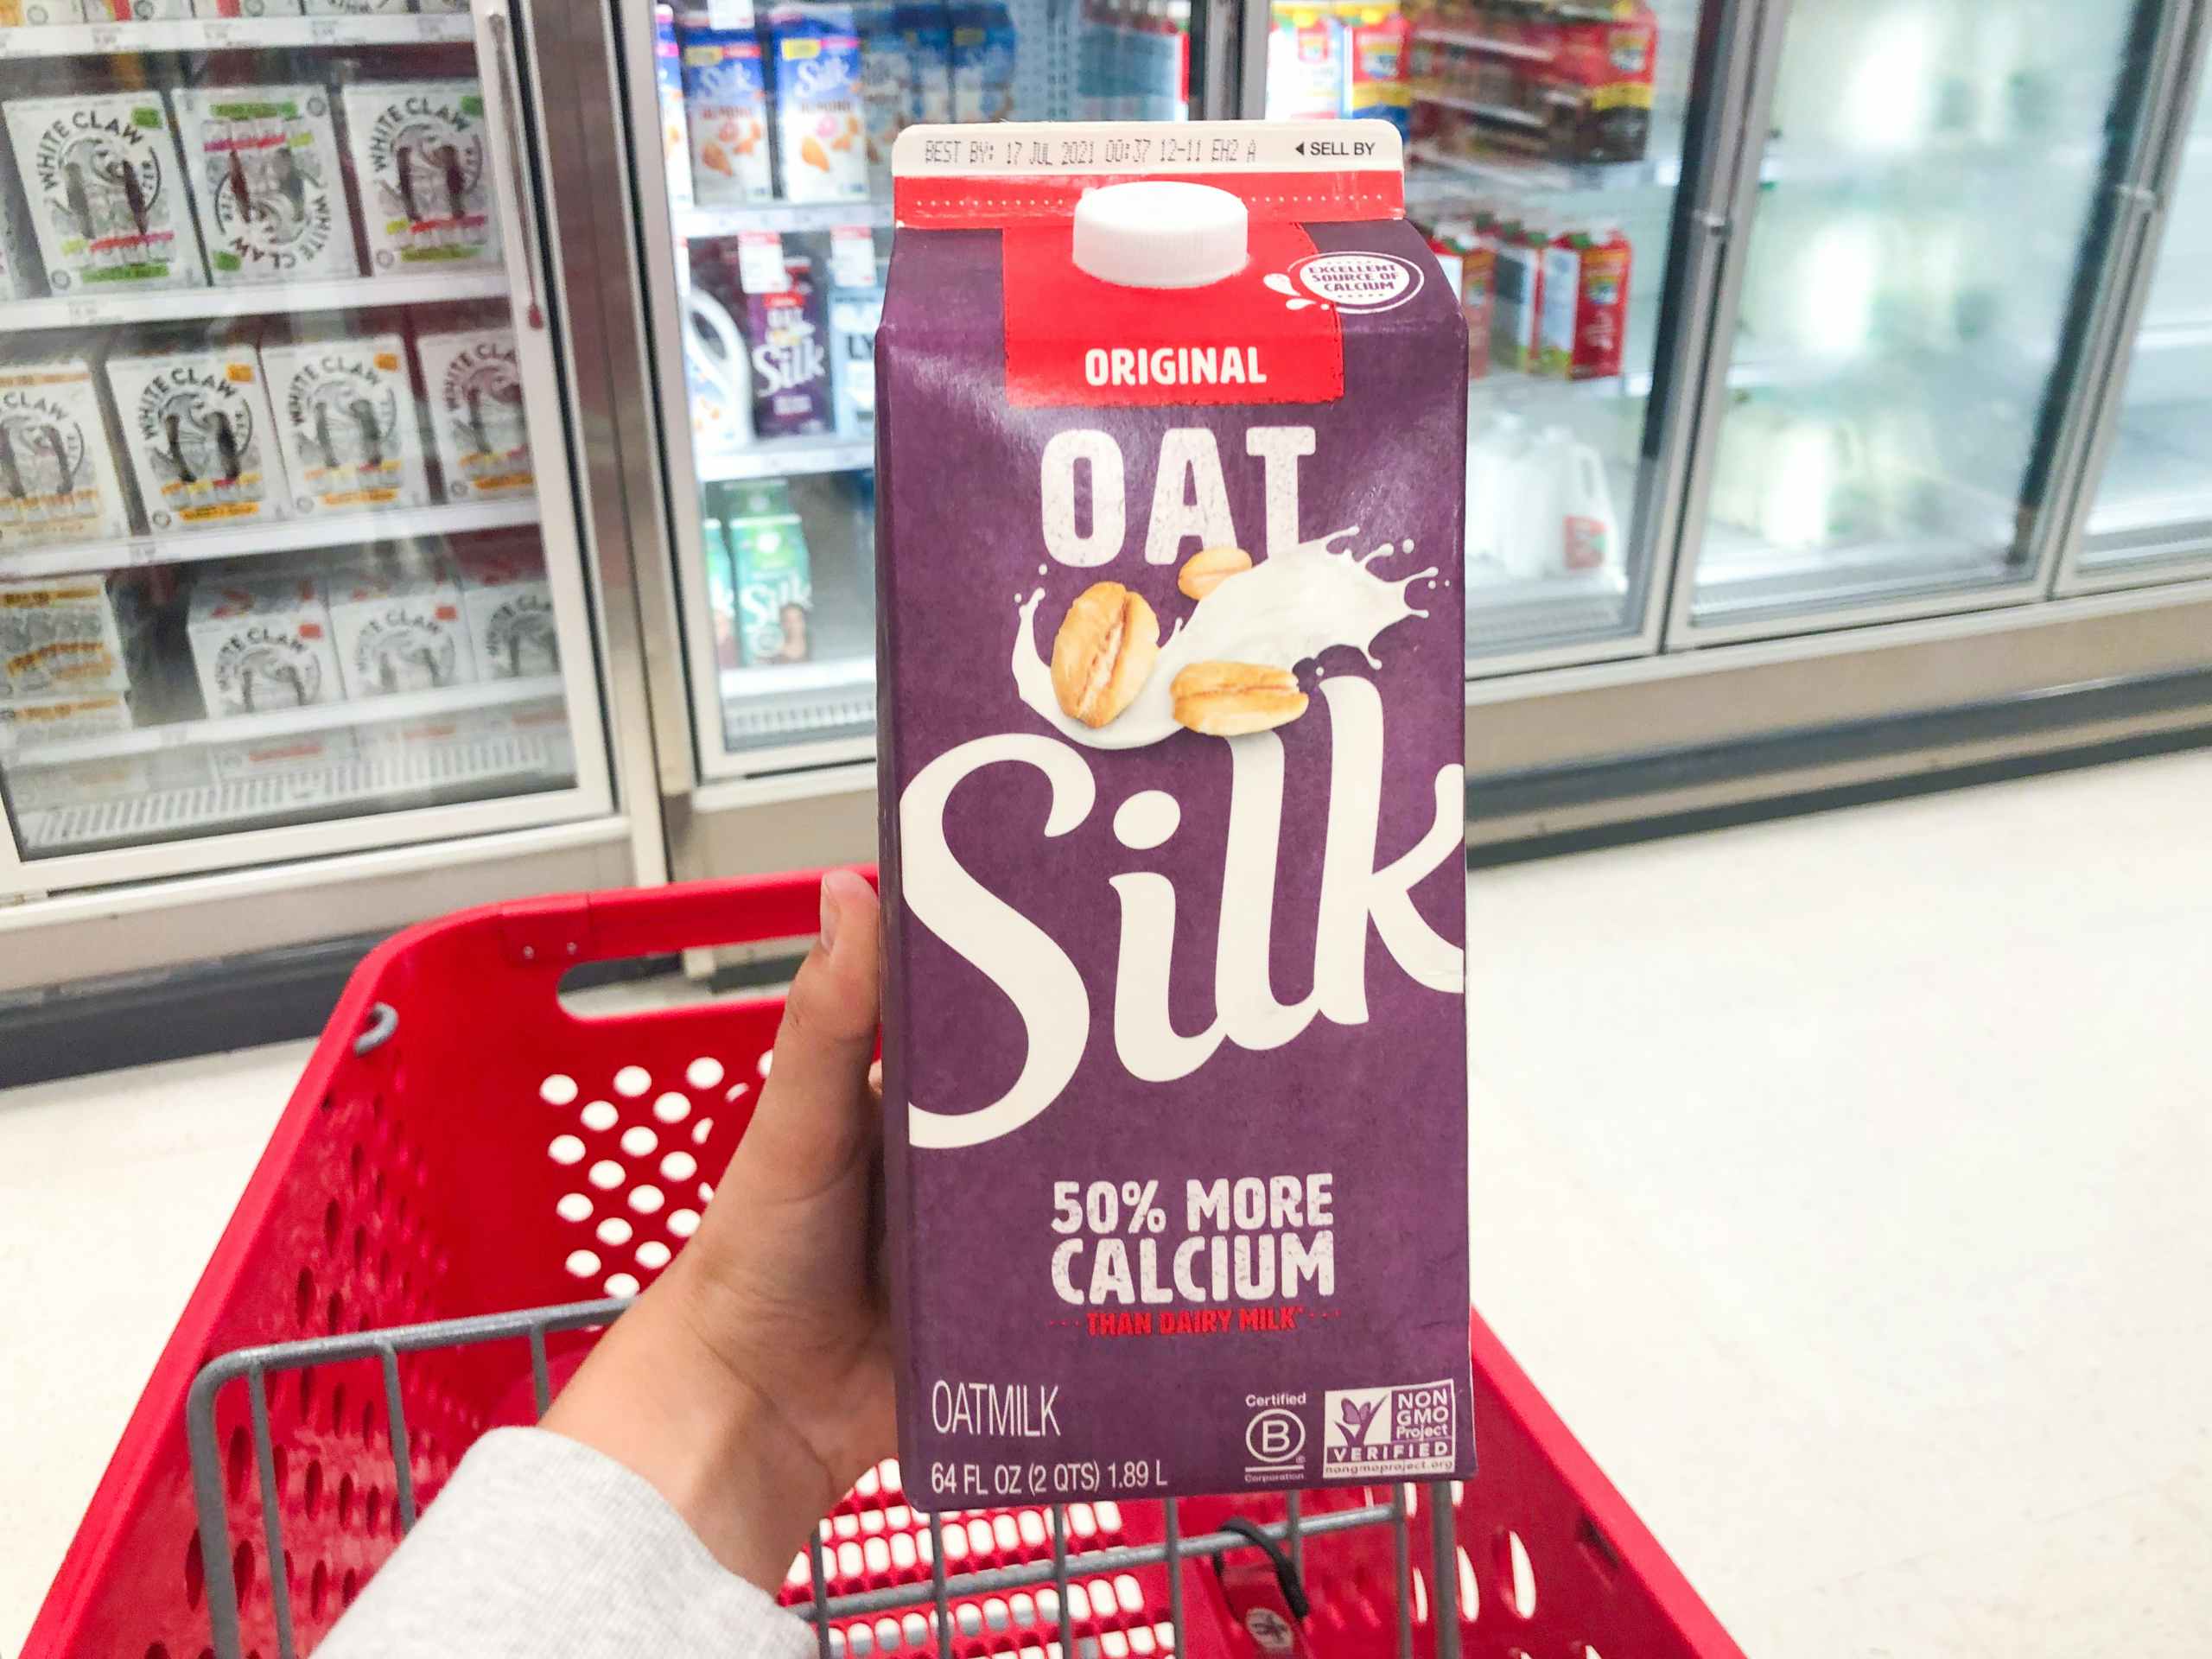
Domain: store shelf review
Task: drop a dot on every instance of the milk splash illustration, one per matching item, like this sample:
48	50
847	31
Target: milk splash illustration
1284	611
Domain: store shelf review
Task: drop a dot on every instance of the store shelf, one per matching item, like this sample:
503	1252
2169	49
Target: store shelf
468	765
261	299
784	703
702	222
288	722
1503	115
285	535
797	678
788	458
233	33
1530	176
1473	40
1507	387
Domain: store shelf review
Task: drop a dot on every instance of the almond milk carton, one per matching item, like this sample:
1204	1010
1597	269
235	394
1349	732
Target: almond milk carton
195	418
352	441
423	166
106	189
262	643
266	182
58	482
1171	427
399	627
477	413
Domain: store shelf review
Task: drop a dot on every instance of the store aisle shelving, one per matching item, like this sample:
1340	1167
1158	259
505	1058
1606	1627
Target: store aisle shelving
1835	1177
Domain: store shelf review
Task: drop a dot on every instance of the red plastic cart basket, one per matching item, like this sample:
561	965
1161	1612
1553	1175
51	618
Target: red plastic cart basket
461	1144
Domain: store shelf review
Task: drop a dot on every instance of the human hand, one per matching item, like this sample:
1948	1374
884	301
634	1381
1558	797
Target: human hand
751	1384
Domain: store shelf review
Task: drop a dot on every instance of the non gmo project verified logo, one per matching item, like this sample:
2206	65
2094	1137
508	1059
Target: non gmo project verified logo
1386	1433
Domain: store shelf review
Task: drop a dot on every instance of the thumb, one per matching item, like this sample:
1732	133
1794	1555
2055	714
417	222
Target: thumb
816	1113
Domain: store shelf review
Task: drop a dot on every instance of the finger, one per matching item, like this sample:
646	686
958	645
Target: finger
817	1114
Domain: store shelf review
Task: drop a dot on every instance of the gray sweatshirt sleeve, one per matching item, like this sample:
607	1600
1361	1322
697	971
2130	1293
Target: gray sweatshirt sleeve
539	1544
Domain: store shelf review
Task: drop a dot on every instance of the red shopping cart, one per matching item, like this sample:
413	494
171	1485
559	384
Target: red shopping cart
461	1145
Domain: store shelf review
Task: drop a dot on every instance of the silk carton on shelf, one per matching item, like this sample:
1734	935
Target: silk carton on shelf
1171	424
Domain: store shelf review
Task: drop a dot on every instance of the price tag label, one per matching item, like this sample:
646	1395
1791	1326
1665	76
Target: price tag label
83	311
106	37
216	34
322	31
142	553
852	256
760	267
730	14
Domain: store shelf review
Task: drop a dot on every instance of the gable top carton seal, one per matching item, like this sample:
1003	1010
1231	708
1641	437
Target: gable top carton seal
1097	222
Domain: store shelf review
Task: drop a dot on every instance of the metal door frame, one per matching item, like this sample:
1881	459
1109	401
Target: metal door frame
2033	582
2156	167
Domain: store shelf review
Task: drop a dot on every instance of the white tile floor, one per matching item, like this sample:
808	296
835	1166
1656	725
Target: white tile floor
1840	1180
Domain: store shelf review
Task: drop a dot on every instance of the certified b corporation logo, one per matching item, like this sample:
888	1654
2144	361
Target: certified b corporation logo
1276	1438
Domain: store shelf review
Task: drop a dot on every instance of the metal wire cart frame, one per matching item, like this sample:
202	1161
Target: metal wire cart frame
461	1142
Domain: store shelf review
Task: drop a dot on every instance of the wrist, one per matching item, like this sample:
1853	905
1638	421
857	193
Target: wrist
658	1398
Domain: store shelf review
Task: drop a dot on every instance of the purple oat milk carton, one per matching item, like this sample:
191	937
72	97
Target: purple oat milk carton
1170	426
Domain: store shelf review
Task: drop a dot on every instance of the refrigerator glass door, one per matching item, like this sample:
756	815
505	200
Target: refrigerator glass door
1908	325
771	174
287	558
2151	515
1546	168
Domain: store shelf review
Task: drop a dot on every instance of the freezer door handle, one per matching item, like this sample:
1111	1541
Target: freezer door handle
502	27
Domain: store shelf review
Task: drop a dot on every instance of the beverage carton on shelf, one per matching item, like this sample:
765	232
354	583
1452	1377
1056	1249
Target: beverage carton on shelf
267	182
58	478
509	606
135	11
38	14
246	8
821	127
105	184
422	163
982	60
668	88
259	644
925	27
771	574
477	413
196	420
26	727
399	628
788	332
1583	331
67	637
346	406
725	101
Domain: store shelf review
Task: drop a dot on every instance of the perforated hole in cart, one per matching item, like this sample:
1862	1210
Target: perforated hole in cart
1517	1575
